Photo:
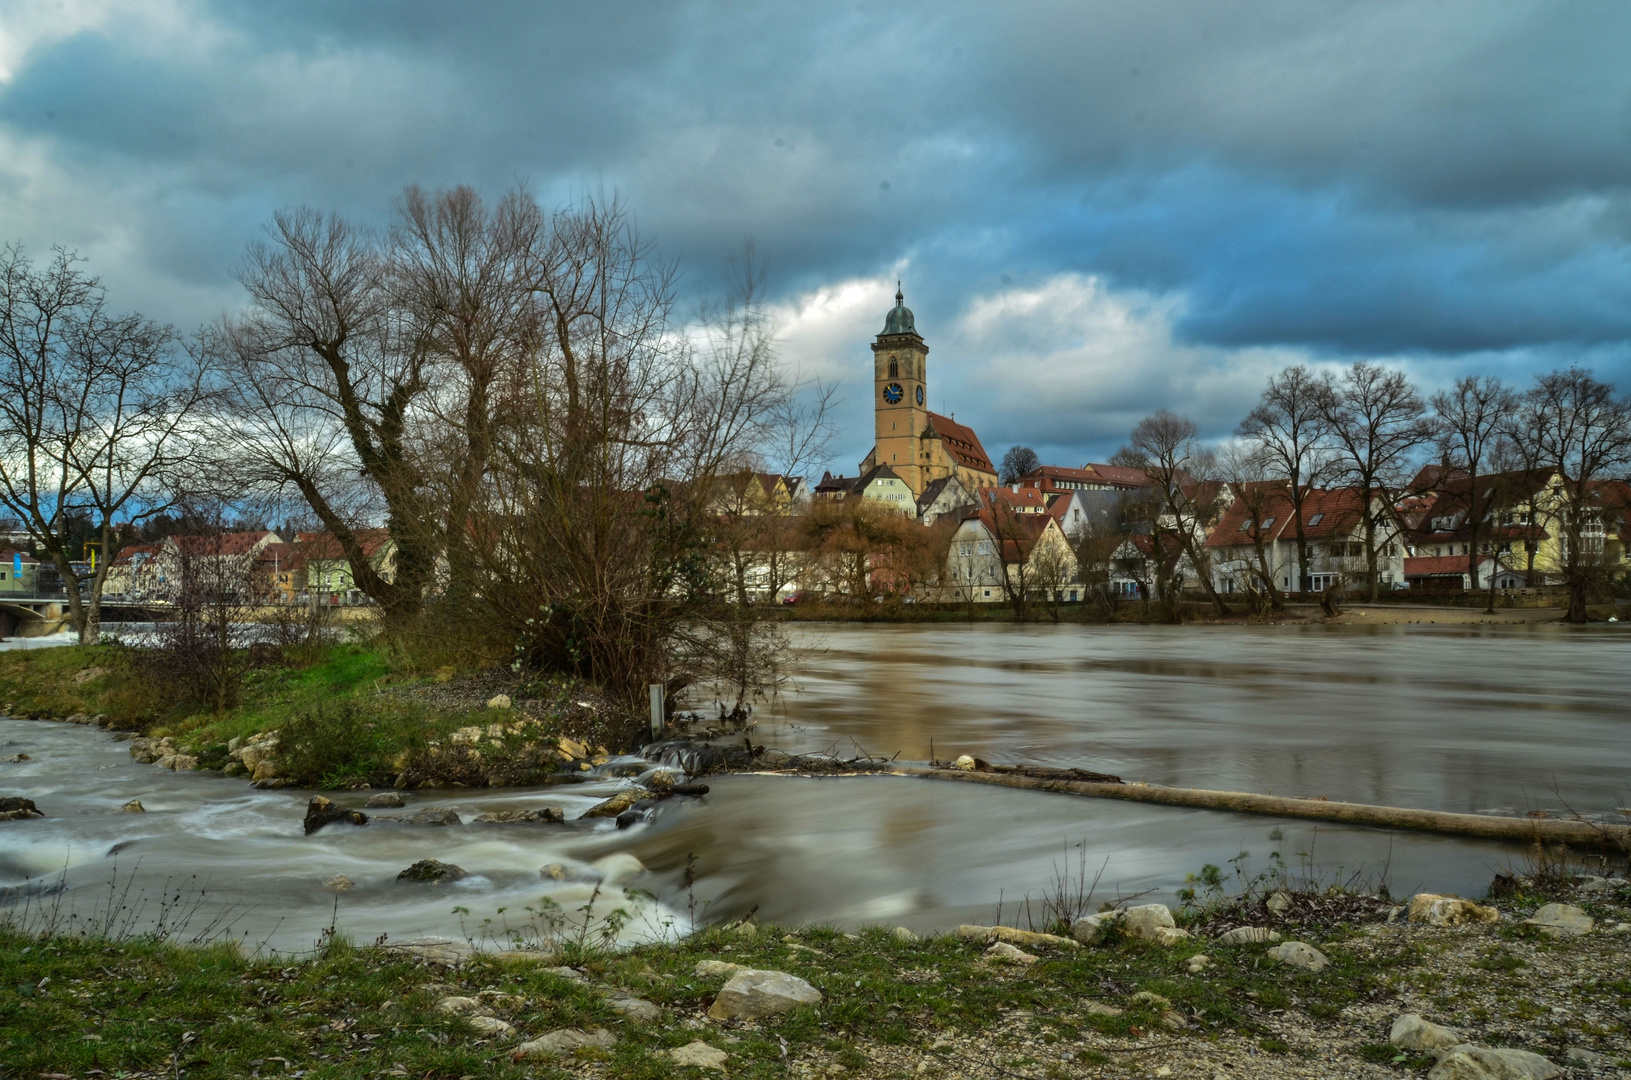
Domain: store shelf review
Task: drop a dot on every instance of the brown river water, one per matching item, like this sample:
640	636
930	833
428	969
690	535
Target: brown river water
1498	718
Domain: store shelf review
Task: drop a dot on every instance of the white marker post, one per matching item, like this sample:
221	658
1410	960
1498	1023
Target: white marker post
656	710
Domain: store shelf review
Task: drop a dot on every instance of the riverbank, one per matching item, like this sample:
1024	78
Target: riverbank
343	715
1137	1000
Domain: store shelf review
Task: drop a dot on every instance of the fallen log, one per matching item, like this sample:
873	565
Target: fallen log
1574	833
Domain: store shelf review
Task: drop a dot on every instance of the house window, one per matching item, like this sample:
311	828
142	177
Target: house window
1316	519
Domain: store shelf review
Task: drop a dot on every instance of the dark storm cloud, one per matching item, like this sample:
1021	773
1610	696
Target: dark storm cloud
1447	180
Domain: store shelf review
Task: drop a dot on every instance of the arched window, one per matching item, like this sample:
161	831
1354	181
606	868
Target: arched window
894	368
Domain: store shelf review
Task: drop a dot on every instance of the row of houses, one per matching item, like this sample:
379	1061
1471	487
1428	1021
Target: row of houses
1033	537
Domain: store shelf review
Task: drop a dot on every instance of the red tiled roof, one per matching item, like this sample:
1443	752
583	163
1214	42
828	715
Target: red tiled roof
232	543
961	443
324	545
1018	535
1326	512
1118	475
1436	565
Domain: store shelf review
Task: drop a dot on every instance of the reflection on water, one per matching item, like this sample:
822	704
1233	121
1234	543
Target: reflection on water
1446	718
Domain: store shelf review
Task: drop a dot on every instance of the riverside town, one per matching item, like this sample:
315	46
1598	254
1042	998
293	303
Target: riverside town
1022	543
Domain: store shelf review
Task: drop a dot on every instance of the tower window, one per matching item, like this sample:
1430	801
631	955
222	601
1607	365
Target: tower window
894	368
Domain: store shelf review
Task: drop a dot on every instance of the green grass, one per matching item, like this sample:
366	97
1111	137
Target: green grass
349	1009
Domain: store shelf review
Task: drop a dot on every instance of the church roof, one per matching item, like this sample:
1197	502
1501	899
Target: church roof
961	443
899	320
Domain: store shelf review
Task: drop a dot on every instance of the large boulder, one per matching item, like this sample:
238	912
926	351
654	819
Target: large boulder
432	872
321	811
1411	1032
564	1041
1150	922
1299	954
1434	909
1560	920
751	994
430	815
15	808
1468	1062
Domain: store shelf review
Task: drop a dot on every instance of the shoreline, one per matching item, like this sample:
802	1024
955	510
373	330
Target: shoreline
883	1003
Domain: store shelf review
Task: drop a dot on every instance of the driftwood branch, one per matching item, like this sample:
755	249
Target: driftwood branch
1581	834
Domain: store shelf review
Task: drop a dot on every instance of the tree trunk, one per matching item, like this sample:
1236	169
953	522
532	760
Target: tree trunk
1484	826
1370	559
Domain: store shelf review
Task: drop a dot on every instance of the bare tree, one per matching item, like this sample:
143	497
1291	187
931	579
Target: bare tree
1470	420
1017	462
1376	420
1289	426
1168	449
328	380
1584	430
95	417
1264	500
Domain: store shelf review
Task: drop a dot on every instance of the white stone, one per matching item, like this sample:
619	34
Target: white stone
635	1010
1099	1008
1561	920
1169	935
1146	921
965	763
1411	1032
1438	910
490	1027
564	1041
709	969
1299	954
499	701
458	1006
900	933
338	883
1249	935
751	994
1468	1062
1004	953
1277	902
698	1055
1143	921
1197	963
1014	936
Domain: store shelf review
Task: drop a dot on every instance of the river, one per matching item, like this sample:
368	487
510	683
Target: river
1470	718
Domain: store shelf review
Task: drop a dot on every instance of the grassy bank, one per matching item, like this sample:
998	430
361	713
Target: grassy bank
348	712
890	1006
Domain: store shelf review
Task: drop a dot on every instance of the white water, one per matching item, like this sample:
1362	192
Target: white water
1467	719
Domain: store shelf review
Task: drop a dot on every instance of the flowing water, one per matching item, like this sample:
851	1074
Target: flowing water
1502	718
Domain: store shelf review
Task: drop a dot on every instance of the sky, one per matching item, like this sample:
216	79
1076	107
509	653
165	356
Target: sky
1096	209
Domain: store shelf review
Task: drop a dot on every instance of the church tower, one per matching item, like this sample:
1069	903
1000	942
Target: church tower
901	395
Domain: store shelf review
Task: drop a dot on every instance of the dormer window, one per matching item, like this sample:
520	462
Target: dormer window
1244	525
1316	519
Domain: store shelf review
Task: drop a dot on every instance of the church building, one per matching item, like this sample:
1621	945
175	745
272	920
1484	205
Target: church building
917	445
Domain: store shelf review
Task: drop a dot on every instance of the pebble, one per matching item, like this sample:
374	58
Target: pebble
1197	963
1249	935
490	1027
1411	1032
698	1055
1004	953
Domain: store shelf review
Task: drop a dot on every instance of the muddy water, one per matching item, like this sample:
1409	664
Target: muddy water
1467	719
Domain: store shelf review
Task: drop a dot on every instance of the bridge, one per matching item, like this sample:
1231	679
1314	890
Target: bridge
26	615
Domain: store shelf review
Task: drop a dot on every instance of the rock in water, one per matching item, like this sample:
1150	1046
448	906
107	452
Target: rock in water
617	803
321	811
134	806
545	815
429	870
1249	935
752	994
1560	920
1436	910
699	1055
13	808
1411	1032
431	815
385	800
1299	954
338	883
563	1041
1468	1062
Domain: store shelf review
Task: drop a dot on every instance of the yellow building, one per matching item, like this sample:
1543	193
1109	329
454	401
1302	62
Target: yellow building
919	446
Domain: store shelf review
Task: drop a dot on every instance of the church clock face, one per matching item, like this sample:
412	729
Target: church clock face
892	393
920	395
